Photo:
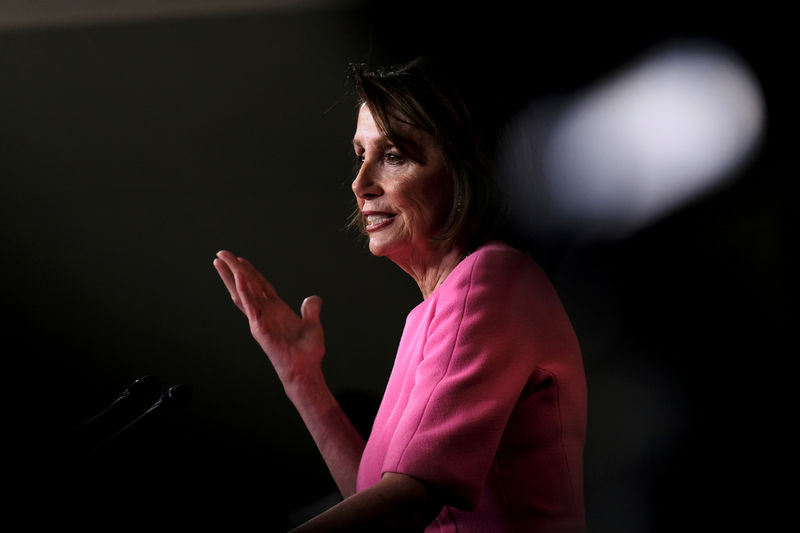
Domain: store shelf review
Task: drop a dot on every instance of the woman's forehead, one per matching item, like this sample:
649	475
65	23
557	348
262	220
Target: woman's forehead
368	129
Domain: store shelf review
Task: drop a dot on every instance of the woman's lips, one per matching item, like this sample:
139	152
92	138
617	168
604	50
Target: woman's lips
376	221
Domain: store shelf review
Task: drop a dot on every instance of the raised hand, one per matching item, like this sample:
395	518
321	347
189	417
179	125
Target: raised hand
294	344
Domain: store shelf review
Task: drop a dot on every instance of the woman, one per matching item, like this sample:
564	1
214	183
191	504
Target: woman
482	424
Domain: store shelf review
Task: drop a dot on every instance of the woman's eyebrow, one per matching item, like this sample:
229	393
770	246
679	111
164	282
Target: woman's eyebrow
384	144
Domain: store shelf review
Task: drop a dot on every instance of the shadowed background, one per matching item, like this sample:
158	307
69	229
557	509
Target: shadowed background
137	141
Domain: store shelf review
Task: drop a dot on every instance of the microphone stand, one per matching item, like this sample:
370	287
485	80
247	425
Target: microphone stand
133	399
175	396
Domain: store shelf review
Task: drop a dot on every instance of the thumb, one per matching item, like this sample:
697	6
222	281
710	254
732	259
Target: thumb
311	308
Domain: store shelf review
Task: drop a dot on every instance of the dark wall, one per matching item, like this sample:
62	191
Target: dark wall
131	152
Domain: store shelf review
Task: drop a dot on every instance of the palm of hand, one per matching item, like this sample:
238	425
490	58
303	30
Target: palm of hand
293	344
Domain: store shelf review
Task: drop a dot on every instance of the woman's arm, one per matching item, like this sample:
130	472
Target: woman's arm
340	444
295	346
397	503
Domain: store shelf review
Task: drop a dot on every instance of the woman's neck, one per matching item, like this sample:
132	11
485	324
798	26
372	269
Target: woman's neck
430	267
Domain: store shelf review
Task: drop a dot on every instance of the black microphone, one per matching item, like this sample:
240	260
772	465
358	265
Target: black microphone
176	396
131	401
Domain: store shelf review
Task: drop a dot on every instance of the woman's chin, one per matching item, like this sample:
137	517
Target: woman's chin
387	247
377	247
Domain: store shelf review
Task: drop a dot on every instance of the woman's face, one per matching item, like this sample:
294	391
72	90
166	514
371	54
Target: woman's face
403	201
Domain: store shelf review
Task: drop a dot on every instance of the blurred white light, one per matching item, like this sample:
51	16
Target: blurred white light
636	147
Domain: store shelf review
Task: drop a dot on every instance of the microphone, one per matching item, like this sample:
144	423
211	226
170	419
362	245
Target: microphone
132	399
176	396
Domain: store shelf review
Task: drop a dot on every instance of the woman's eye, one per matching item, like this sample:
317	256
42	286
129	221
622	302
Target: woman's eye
393	158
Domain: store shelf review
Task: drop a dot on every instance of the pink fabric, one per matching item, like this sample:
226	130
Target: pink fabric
487	401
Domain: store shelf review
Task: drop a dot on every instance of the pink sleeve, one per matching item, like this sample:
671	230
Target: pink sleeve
481	347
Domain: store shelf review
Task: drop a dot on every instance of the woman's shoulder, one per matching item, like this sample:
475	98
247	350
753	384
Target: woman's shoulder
495	264
498	257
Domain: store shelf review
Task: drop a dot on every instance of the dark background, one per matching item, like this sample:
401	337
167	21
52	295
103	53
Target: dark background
132	150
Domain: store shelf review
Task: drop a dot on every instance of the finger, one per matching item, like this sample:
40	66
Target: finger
236	263
226	274
248	297
227	278
226	255
253	271
310	308
225	264
229	259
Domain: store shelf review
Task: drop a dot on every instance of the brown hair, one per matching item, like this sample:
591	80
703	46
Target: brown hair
426	100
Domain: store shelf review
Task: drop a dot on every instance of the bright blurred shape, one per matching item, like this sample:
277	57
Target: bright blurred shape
636	147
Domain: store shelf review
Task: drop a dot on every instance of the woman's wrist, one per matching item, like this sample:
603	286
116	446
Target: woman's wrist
308	389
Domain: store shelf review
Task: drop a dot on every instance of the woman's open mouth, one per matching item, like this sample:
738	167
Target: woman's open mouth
376	221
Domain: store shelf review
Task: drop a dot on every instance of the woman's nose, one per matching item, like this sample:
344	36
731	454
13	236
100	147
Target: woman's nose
366	184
